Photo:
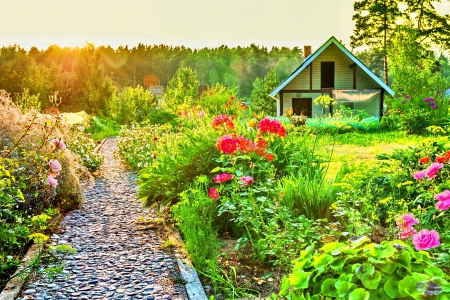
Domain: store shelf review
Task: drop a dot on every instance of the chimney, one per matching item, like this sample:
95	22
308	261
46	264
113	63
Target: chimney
306	51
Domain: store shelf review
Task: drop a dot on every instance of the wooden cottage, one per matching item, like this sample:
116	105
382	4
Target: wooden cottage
332	70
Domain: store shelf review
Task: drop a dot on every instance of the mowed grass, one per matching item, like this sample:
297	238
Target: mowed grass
353	148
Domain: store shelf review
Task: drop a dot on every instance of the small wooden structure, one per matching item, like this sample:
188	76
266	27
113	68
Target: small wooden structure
332	70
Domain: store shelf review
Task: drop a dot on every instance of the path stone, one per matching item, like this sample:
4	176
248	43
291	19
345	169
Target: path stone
113	259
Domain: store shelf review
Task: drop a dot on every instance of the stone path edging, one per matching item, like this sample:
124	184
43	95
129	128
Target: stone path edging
14	285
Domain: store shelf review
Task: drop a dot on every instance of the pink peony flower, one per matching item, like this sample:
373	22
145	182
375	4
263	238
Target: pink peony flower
246	180
59	144
433	169
54	165
407	220
213	193
224	177
426	239
52	181
419	175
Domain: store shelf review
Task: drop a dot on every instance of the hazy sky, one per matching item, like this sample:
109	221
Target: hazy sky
192	23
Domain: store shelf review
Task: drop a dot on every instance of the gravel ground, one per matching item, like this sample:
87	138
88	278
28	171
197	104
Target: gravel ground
113	259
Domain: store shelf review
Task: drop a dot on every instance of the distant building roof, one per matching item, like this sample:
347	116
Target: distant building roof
313	56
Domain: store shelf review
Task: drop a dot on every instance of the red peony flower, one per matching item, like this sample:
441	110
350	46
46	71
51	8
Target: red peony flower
424	160
224	177
213	193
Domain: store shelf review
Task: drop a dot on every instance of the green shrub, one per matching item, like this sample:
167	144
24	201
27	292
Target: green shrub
364	270
195	214
132	104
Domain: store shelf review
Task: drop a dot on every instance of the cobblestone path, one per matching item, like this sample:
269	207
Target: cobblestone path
113	260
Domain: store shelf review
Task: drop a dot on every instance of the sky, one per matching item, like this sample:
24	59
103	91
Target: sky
192	23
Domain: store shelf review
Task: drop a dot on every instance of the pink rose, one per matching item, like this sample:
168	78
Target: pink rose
433	169
407	220
426	239
444	196
443	200
54	165
59	144
419	175
246	180
213	193
52	181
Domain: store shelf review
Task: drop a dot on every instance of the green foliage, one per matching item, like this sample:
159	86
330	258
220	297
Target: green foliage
139	144
260	99
415	82
363	270
220	99
195	214
180	156
159	116
83	145
182	90
26	101
101	128
132	104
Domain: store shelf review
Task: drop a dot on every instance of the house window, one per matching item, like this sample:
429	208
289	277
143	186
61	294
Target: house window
348	104
327	74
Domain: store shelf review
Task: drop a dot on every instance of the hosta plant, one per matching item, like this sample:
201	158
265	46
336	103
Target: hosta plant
364	270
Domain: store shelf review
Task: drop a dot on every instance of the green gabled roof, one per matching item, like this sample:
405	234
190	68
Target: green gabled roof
313	56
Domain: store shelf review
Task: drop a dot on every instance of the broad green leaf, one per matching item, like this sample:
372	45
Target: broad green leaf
407	285
359	294
388	267
217	169
330	247
299	280
323	260
328	288
371	281
391	288
434	271
345	288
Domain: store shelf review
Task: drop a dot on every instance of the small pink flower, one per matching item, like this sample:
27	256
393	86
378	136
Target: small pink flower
426	239
224	177
246	180
443	205
52	181
213	193
433	169
54	165
407	220
406	232
419	175
59	144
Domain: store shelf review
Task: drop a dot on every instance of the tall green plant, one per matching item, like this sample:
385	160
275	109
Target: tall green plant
182	89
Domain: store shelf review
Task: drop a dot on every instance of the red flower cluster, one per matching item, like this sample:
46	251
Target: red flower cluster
272	126
223	119
224	177
230	144
424	160
443	159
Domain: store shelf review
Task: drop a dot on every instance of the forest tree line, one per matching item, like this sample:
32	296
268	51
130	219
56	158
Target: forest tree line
86	78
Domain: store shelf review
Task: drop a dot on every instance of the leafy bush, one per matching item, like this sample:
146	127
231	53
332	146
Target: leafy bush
182	90
179	158
132	104
195	214
364	270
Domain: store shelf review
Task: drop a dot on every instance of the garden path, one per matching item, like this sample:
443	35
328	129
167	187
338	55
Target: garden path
113	259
